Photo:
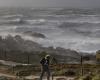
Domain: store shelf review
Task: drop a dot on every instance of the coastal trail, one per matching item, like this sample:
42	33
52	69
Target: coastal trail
37	77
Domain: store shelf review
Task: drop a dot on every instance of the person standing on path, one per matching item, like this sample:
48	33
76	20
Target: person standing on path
45	67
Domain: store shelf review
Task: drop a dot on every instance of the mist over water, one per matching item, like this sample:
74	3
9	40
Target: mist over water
77	29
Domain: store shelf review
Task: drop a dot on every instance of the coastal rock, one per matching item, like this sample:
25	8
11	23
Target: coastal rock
35	34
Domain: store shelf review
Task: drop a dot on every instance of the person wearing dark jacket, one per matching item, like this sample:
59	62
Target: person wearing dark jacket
45	67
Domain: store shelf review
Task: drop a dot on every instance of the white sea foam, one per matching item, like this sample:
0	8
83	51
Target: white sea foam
36	21
83	37
12	16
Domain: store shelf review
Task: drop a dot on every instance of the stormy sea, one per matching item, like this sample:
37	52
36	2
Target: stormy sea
69	28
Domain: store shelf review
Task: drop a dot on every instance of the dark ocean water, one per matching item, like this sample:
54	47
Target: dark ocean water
77	29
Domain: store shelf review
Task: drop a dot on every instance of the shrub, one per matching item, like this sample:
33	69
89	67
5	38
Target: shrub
87	77
3	78
70	73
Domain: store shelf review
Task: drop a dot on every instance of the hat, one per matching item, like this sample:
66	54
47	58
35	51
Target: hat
47	56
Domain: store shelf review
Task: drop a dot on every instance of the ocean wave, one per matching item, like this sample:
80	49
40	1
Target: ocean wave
45	19
12	16
37	21
59	22
7	28
18	21
79	25
12	21
84	22
85	45
6	33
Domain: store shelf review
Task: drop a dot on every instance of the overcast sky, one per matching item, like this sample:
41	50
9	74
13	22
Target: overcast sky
51	3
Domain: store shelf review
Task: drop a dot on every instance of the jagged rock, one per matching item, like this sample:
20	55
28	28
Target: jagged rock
35	34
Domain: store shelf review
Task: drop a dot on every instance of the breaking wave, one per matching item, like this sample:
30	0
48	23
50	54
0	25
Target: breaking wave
68	28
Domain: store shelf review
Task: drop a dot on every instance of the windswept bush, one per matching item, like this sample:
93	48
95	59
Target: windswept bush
3	78
70	73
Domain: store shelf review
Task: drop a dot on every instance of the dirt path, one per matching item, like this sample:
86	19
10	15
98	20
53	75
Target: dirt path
7	75
54	78
34	77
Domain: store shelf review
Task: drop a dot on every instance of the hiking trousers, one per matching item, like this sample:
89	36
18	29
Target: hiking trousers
45	69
